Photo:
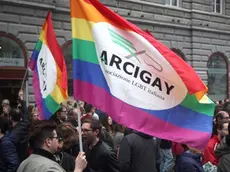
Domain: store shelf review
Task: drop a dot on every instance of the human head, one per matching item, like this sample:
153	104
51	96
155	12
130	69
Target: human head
4	125
15	115
226	100
82	105
218	108
222	129
89	108
44	136
110	121
222	116
34	116
68	135
226	107
61	114
72	114
5	102
191	149
91	130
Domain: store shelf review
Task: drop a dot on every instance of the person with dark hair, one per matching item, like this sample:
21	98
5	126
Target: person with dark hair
19	133
72	116
60	115
9	160
68	135
209	153
107	132
70	138
138	153
118	136
222	116
223	153
226	107
45	141
221	102
99	155
190	160
6	108
218	108
90	111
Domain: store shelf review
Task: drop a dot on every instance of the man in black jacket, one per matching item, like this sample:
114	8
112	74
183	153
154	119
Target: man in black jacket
9	160
19	133
100	157
138	153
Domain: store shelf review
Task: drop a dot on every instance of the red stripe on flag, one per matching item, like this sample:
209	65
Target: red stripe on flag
185	71
56	51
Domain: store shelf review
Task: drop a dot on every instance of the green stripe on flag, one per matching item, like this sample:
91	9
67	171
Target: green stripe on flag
38	45
51	104
125	43
84	50
192	103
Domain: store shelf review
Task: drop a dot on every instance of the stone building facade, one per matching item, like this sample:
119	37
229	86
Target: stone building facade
198	31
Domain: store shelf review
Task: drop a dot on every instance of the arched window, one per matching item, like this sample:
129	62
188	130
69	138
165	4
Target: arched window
179	53
12	52
217	76
13	67
67	51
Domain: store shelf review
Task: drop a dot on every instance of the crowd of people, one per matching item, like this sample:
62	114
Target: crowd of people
29	144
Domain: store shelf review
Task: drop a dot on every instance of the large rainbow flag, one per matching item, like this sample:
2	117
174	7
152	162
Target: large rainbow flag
137	80
49	72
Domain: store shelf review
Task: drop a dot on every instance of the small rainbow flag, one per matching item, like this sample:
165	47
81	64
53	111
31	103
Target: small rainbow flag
137	80
49	72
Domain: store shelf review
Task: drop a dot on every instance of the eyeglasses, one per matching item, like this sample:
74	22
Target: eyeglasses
85	130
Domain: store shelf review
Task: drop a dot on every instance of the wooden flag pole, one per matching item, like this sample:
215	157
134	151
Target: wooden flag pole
24	78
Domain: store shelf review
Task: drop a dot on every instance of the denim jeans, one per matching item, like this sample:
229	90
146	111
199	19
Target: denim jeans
166	159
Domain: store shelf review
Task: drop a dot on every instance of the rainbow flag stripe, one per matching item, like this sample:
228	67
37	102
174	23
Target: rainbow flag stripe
49	72
137	80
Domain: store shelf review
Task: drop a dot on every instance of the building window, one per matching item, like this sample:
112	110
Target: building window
67	52
217	77
11	52
172	2
217	6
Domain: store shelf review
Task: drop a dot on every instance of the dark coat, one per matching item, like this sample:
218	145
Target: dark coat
9	160
65	161
188	162
19	134
101	158
223	153
165	144
138	153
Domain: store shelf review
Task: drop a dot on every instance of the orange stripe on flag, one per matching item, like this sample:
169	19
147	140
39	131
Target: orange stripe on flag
80	6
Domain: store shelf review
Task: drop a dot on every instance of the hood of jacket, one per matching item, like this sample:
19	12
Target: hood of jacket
222	148
191	155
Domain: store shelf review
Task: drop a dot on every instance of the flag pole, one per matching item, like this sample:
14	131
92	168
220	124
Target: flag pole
24	78
79	126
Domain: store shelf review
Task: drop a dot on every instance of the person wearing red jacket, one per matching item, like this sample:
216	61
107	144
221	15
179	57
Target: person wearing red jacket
209	153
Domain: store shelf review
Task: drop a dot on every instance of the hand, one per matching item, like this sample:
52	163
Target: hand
20	94
80	162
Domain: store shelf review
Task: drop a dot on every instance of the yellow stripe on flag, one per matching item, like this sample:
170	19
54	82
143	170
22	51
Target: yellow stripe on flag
82	29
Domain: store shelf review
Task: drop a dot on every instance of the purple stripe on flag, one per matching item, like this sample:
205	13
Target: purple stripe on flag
37	93
136	118
33	60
